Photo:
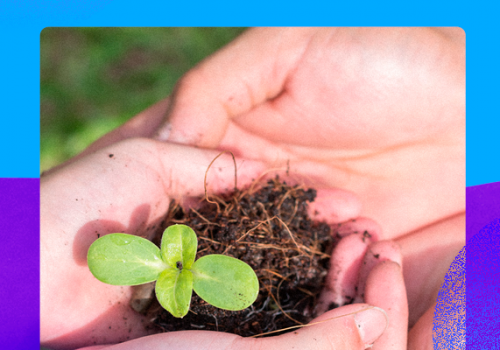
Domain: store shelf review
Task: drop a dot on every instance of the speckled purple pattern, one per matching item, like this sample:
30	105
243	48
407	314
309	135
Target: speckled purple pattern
449	323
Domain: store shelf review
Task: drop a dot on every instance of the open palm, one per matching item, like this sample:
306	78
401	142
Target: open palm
379	112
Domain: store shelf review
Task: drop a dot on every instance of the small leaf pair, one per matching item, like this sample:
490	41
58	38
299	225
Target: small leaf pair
220	280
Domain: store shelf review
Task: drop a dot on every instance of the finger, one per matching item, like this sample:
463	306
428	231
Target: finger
362	225
385	288
420	335
348	328
126	187
342	278
428	254
377	252
334	206
181	340
207	98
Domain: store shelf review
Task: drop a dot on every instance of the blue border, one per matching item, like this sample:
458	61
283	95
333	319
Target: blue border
21	23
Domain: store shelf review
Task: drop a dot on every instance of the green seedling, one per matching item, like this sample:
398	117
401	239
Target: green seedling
220	280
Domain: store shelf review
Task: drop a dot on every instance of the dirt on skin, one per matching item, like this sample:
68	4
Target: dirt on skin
269	228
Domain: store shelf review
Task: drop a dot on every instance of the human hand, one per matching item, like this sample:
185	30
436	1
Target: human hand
428	254
376	111
125	185
355	326
425	256
323	162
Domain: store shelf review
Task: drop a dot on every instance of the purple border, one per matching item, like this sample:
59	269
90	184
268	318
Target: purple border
483	266
19	254
19	251
483	206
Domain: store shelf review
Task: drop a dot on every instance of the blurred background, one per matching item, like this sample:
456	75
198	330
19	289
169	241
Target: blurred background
94	79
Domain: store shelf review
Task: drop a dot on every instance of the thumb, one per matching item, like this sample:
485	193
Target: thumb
349	327
352	327
139	171
125	187
249	71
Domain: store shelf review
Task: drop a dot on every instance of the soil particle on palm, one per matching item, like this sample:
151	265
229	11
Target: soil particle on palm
270	229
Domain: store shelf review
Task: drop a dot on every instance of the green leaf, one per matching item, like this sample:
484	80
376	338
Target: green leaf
178	245
174	289
125	260
225	282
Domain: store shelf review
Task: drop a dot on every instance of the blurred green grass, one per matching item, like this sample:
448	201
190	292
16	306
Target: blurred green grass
94	79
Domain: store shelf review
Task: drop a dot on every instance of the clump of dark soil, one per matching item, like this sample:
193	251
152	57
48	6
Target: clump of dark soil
268	228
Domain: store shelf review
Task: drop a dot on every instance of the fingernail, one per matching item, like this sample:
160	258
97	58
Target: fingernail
371	324
163	133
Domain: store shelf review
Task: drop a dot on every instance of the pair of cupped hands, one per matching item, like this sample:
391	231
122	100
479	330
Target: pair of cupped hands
373	118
